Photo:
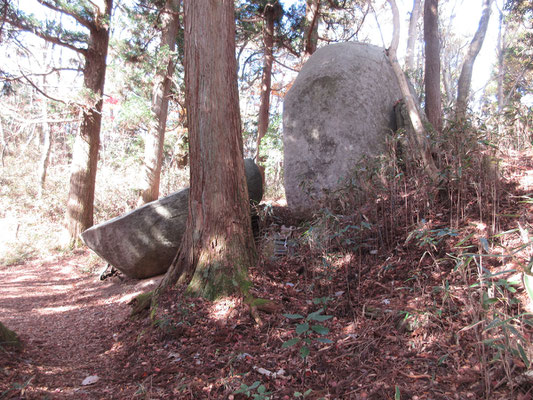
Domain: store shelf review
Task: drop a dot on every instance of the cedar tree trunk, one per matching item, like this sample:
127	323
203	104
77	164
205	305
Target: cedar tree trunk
264	107
465	79
312	12
433	104
218	247
155	139
85	155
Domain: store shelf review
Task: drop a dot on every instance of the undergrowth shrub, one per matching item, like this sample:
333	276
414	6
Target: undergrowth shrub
457	226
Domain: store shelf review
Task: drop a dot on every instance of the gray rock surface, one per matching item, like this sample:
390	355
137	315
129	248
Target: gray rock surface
339	109
143	242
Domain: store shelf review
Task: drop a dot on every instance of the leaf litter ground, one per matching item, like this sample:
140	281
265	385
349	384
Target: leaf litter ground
400	327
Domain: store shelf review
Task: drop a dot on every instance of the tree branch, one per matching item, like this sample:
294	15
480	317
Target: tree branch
18	78
41	91
44	36
82	21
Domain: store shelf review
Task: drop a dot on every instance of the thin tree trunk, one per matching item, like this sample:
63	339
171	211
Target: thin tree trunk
433	104
155	139
413	35
465	79
312	15
3	143
264	107
501	66
46	147
85	154
418	138
218	246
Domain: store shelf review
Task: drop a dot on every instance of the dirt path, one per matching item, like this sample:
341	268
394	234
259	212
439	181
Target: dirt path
67	320
74	326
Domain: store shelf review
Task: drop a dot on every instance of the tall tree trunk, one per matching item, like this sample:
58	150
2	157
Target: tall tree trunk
433	105
413	34
46	146
418	139
85	155
45	125
465	79
264	107
312	15
155	139
501	65
218	247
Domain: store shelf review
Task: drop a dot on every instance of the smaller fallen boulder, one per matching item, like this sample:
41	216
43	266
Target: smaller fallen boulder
143	242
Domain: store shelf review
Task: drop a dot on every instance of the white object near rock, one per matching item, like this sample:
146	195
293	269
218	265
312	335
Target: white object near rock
90	380
339	109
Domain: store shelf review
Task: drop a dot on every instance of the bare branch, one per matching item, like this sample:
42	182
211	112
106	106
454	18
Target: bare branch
41	91
53	70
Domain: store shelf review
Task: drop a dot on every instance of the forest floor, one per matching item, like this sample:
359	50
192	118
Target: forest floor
405	324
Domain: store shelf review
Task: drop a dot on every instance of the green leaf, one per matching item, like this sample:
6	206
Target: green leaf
321	330
304	351
301	328
293	316
254	385
243	389
523	355
315	316
528	283
324	340
290	342
321	318
397	393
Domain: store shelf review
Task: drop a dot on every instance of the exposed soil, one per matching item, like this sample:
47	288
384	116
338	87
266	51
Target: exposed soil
400	328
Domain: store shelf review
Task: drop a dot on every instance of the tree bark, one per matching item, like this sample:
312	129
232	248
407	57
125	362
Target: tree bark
46	147
433	104
266	81
155	139
501	63
465	79
85	155
418	138
412	36
312	14
218	246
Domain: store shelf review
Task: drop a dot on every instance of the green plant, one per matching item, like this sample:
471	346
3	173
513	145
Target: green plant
495	322
261	392
304	394
305	331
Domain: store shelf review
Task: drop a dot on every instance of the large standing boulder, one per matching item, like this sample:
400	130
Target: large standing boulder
143	242
339	109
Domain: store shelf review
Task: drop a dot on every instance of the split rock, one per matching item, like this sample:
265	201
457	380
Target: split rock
142	243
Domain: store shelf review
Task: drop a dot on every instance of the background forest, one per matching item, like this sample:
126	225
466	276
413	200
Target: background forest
143	138
93	123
